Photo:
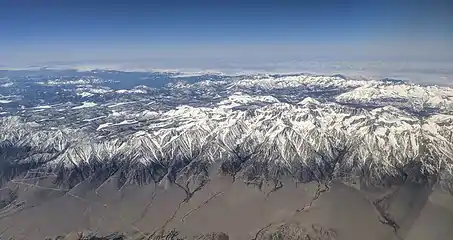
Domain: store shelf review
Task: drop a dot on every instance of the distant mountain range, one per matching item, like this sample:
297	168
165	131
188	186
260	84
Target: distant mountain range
258	127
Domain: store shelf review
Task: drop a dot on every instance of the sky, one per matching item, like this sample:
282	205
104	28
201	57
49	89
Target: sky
215	34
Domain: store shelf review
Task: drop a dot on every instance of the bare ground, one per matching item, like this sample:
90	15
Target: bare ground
37	209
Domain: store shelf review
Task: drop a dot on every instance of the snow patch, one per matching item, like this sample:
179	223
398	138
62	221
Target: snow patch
43	107
239	98
132	91
5	85
85	94
85	105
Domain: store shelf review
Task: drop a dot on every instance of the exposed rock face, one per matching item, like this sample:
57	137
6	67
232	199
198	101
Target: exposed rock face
213	236
309	141
352	163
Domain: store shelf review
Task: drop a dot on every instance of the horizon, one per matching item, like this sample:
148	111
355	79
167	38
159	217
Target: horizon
216	120
361	37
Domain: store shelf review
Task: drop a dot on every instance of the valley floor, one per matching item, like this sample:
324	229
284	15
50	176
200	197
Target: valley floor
35	209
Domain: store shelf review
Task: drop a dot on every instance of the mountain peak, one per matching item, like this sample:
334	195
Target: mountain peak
308	101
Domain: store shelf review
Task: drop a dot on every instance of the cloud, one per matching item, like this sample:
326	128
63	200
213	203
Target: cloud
419	61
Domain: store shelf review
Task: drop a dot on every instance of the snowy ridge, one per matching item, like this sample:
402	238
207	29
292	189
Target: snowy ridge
238	99
82	81
314	81
416	96
377	93
308	141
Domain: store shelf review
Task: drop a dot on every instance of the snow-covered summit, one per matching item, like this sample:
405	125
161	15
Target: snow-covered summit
297	140
376	93
314	81
241	99
307	127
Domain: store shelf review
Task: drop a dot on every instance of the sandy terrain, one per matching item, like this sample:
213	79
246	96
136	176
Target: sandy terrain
409	212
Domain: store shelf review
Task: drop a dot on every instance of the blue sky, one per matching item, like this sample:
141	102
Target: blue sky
207	33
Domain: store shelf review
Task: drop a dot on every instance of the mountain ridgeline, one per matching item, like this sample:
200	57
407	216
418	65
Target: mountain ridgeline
376	151
307	141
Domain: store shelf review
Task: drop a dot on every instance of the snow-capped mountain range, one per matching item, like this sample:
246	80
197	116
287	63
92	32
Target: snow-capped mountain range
258	128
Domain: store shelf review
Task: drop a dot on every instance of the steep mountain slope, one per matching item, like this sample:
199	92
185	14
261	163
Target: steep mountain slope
388	144
309	140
